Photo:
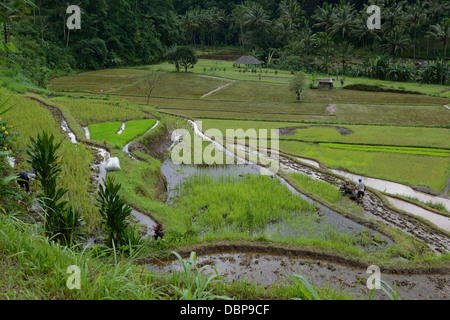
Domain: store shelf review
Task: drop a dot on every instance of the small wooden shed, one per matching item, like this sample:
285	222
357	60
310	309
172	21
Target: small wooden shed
325	83
247	60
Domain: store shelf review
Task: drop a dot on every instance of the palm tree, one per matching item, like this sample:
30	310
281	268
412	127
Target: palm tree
238	16
345	54
304	42
324	17
218	20
288	24
326	54
363	33
396	42
257	24
291	11
343	20
308	40
436	8
393	15
441	32
191	25
188	26
285	31
416	16
10	9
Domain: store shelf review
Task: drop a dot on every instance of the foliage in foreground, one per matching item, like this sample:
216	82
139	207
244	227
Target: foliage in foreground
61	219
114	212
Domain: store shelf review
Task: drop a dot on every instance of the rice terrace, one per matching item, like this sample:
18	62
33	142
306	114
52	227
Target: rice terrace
275	138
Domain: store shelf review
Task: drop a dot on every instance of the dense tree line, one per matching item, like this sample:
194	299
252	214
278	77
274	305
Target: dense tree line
113	33
313	35
318	35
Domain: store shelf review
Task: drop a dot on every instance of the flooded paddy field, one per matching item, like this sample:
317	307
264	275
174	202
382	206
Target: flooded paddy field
266	269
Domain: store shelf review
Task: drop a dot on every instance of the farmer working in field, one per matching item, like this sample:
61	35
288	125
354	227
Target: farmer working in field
24	178
360	187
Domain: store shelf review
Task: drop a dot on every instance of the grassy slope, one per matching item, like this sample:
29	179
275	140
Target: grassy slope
30	118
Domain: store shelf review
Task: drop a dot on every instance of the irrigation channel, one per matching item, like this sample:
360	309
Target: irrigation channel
268	267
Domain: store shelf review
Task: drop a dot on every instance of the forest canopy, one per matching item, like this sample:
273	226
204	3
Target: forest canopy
309	35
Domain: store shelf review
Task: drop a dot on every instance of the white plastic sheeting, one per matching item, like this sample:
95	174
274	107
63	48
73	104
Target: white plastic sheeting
113	164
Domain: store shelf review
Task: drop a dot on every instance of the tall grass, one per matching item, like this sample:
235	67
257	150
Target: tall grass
244	203
40	269
28	119
193	284
318	187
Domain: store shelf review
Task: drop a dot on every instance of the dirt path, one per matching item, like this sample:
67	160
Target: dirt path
216	90
331	108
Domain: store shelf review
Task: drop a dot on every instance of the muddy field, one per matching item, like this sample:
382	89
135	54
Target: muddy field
375	208
266	269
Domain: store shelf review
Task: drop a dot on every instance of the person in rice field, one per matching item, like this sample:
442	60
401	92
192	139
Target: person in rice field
360	188
24	179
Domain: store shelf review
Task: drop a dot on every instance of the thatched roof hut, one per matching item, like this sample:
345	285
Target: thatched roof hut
247	60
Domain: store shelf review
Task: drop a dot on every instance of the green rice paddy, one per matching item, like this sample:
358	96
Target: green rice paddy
403	150
108	131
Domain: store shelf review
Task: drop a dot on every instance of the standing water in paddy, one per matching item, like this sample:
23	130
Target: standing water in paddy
100	177
319	222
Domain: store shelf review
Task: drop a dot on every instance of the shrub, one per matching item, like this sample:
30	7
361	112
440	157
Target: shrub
60	220
114	212
6	136
432	72
92	54
378	68
298	84
400	72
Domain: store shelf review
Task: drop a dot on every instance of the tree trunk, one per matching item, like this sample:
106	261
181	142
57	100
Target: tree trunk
68	36
414	53
443	61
